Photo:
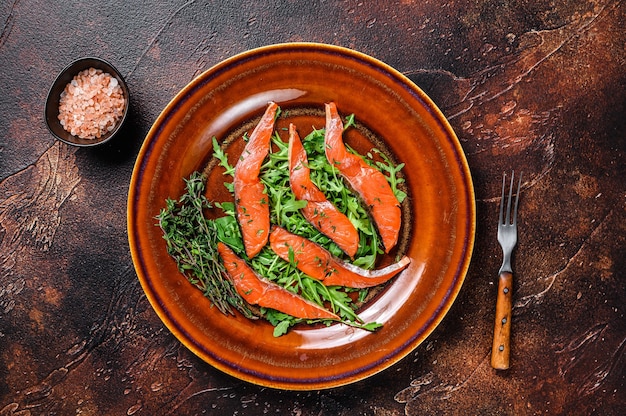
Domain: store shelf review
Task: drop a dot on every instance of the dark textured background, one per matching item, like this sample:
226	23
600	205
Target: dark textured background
531	85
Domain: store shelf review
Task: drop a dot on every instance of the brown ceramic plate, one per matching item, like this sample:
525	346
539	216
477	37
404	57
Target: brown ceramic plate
392	114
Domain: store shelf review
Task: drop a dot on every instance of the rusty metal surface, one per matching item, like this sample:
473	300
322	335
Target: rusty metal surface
538	86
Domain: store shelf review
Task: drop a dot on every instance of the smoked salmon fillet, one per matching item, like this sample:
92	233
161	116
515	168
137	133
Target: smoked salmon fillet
257	290
368	182
319	211
251	201
320	264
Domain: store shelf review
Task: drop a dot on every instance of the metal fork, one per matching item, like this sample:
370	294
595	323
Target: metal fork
507	237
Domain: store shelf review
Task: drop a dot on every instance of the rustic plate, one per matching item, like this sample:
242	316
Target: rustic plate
392	114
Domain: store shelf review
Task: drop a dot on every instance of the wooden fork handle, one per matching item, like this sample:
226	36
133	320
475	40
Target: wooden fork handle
501	347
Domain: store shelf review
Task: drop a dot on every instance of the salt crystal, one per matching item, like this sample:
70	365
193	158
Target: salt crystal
91	104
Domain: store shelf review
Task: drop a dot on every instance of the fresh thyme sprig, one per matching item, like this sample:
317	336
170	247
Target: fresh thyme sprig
191	240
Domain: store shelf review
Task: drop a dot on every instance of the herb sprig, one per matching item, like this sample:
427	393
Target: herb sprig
191	240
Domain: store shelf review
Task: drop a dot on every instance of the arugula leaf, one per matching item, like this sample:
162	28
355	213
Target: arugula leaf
219	154
281	328
392	174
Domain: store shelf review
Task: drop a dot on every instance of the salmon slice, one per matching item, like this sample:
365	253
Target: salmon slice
257	290
320	264
319	211
368	182
252	205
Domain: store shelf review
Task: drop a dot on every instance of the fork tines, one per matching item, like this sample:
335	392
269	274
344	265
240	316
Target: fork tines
508	219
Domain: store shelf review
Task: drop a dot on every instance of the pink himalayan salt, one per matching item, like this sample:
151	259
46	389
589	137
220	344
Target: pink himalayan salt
92	104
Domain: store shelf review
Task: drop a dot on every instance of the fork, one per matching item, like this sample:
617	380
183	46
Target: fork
507	237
